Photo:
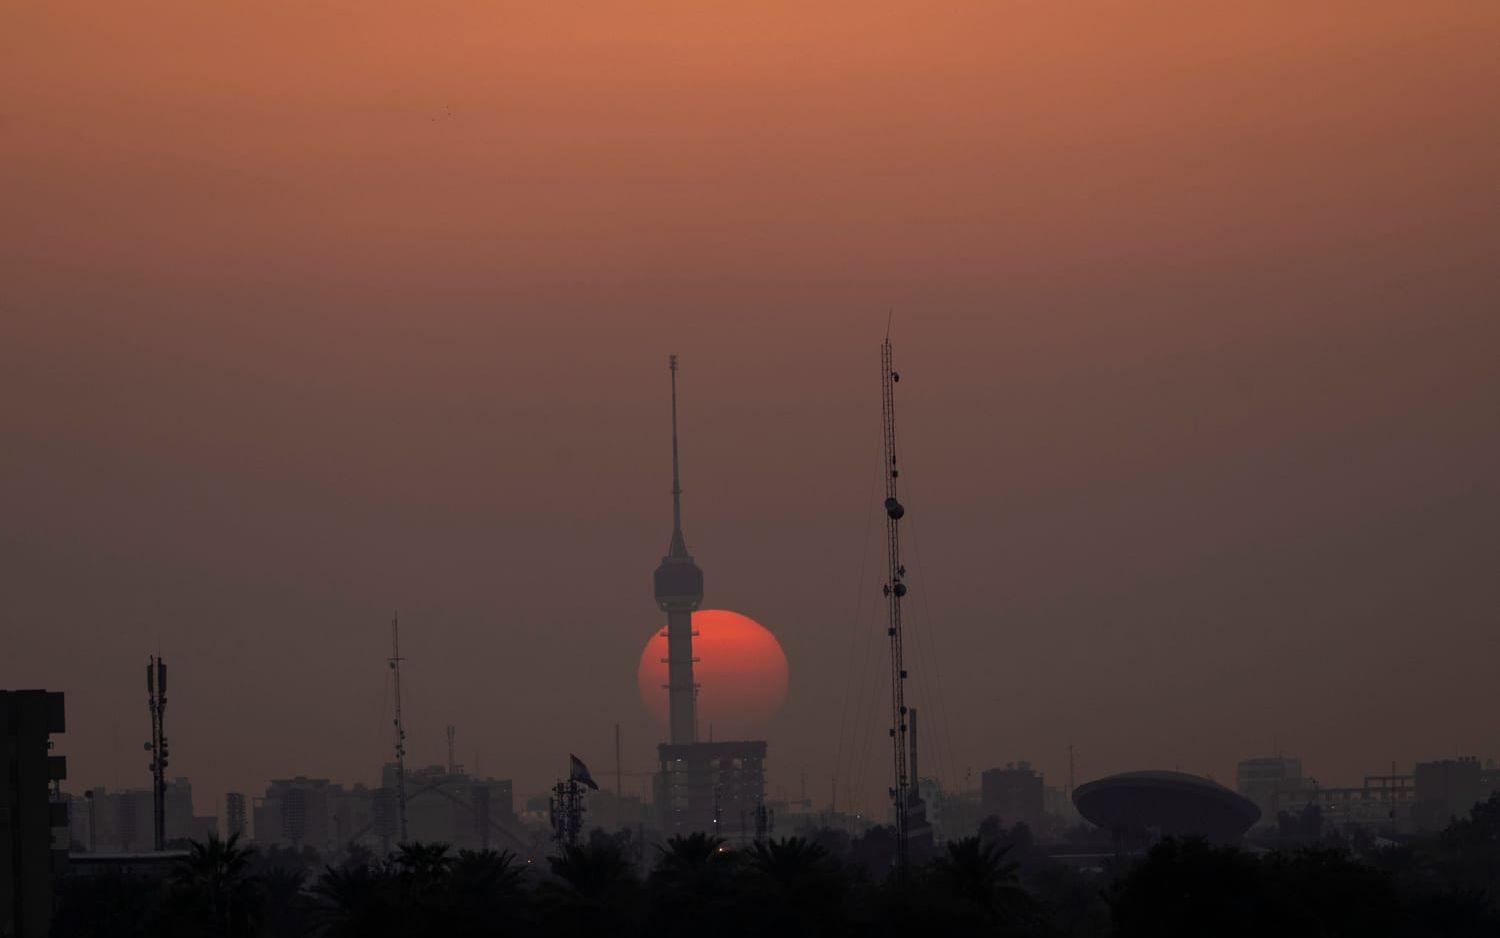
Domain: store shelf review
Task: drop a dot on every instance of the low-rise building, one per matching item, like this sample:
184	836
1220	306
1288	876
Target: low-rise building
1273	783
1448	789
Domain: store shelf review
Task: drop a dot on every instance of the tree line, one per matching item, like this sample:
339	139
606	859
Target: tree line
822	883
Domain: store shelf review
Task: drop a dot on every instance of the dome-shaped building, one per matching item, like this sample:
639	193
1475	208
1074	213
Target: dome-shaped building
1138	806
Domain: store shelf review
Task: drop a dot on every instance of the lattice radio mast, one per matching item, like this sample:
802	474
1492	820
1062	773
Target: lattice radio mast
895	589
156	690
395	663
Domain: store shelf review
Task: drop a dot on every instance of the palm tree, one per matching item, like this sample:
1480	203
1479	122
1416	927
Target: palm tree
691	857
692	884
594	891
282	902
485	894
789	859
794	887
424	865
358	902
216	874
975	872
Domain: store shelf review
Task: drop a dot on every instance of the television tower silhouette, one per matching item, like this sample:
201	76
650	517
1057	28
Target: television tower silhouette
894	589
679	591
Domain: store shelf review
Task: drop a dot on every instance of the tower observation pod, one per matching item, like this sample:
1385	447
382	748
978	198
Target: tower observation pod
679	591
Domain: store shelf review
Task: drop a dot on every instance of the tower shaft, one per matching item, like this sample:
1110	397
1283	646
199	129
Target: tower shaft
682	690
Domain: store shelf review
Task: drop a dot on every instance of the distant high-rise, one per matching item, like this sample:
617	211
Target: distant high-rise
1271	781
1447	789
679	591
234	815
122	820
295	812
1014	794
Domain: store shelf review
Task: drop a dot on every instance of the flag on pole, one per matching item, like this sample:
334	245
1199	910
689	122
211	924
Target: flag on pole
578	772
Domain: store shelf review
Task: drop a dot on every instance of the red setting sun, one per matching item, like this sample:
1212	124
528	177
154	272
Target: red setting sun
741	672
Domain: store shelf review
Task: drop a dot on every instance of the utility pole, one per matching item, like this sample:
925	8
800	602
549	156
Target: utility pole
894	589
452	755
156	695
395	662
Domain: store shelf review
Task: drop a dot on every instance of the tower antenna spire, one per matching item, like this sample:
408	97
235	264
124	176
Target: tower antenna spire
679	545
679	590
894	589
395	663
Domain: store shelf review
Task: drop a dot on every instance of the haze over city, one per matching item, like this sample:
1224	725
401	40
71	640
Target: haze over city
314	314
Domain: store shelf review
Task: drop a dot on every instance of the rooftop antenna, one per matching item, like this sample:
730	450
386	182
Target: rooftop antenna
395	662
894	589
156	697
566	803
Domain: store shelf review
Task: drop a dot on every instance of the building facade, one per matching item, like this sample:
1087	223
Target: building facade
1448	789
461	810
1014	794
236	820
121	821
33	817
1274	783
712	788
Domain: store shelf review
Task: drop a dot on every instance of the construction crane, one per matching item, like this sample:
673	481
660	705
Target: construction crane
395	662
894	589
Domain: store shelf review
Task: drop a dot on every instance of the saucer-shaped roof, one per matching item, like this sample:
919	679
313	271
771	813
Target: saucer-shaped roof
1173	803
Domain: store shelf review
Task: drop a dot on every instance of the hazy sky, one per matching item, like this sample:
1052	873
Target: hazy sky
312	311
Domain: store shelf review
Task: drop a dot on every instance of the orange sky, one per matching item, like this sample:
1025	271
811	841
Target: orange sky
313	310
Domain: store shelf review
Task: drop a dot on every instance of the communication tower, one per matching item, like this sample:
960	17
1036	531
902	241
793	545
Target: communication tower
894	590
156	696
395	664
